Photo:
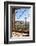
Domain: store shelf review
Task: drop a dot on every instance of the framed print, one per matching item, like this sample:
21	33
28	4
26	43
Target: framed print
19	25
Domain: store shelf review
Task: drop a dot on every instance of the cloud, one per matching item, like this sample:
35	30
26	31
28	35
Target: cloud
22	13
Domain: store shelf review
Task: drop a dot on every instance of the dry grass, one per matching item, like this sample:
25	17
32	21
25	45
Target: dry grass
17	34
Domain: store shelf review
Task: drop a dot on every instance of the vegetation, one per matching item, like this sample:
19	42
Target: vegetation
21	26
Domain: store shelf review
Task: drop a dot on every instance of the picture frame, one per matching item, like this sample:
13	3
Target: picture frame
16	28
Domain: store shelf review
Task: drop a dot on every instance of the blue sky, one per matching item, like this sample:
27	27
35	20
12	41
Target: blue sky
22	13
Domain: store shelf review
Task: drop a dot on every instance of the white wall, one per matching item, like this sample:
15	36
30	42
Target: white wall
2	24
23	0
